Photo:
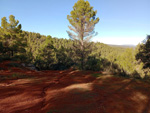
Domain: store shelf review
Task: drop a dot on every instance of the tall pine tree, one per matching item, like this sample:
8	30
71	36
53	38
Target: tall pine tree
82	19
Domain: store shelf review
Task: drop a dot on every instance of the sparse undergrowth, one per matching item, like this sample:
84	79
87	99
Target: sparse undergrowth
13	64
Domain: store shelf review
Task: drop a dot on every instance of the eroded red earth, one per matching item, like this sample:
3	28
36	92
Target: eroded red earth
70	91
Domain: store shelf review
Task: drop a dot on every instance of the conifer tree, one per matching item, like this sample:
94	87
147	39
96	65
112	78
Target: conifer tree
143	55
82	19
11	36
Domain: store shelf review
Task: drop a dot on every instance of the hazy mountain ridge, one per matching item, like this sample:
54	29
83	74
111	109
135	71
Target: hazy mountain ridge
123	46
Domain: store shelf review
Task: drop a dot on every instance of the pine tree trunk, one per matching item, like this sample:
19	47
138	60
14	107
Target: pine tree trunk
82	62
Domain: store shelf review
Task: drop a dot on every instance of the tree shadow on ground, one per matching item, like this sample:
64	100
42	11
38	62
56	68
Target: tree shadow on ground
76	92
105	95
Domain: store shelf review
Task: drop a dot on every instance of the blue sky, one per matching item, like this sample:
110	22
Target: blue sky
121	21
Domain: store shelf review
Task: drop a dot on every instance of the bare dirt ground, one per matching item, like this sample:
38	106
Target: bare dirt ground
70	91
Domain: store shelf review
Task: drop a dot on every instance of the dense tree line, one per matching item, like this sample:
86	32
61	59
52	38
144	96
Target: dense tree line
47	52
78	52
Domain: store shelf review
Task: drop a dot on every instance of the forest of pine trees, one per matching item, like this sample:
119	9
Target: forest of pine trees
78	52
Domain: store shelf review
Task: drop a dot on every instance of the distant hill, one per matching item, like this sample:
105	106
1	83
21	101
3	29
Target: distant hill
123	46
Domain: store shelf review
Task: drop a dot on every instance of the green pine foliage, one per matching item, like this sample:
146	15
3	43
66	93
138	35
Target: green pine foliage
12	39
83	20
143	56
52	53
126	61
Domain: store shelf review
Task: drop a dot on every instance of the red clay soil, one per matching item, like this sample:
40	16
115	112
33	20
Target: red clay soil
70	91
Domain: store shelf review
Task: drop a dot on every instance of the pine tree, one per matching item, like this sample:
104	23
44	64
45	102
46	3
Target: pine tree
11	36
83	20
143	55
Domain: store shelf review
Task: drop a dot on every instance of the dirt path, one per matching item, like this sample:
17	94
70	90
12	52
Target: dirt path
71	91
